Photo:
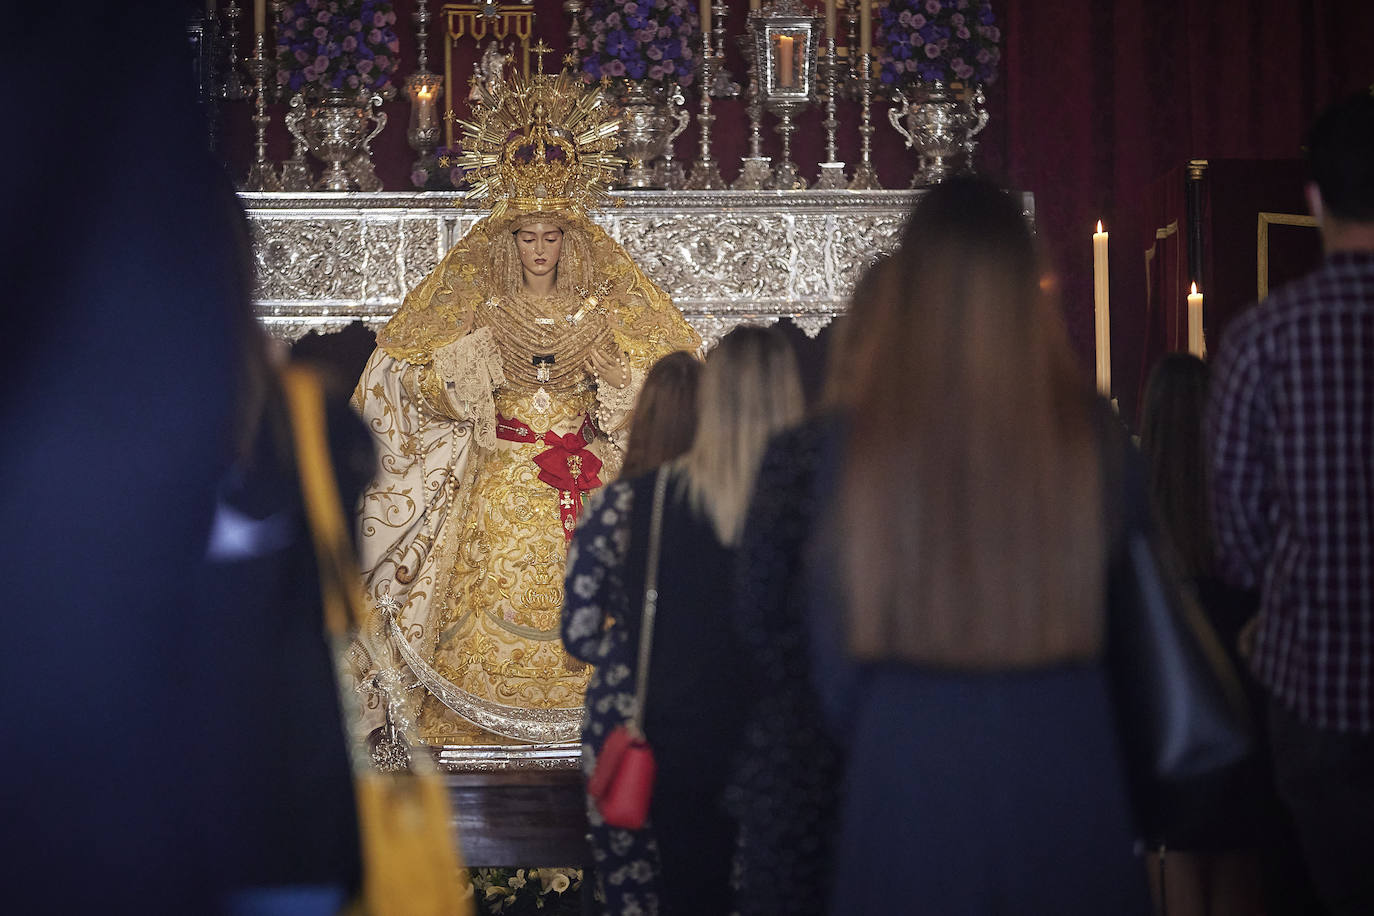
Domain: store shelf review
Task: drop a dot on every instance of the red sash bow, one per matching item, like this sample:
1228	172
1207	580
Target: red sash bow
566	464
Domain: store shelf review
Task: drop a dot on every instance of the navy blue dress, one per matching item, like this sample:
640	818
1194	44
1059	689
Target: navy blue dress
680	862
958	793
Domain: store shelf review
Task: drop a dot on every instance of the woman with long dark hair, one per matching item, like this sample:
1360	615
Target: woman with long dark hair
941	541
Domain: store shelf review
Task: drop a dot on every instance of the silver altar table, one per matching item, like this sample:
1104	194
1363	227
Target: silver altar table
327	259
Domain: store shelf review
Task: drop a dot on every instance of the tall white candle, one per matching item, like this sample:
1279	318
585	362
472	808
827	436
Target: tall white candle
1101	312
865	26
830	20
1195	344
260	16
786	54
706	22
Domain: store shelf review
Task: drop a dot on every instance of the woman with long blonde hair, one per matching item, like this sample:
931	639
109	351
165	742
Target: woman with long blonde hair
934	551
680	863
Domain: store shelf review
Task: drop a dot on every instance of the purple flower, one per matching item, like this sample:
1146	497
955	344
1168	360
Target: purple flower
301	56
365	67
962	33
383	62
356	26
932	51
615	68
379	19
321	63
323	17
419	178
904	18
933	7
375	36
918	21
349	43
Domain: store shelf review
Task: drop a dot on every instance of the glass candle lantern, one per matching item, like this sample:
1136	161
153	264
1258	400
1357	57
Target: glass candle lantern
784	35
423	133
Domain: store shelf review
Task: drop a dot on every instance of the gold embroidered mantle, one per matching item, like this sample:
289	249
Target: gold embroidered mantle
457	527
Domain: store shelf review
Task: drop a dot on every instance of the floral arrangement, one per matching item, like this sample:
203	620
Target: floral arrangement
440	172
638	40
515	892
947	40
336	44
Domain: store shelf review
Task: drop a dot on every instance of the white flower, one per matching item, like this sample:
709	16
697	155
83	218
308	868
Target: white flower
495	890
517	882
585	586
585	622
559	884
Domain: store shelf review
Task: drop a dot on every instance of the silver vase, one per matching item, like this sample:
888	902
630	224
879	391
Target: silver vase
335	130
651	120
941	124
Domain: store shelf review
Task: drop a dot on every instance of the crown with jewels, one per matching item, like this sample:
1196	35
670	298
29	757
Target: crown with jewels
541	143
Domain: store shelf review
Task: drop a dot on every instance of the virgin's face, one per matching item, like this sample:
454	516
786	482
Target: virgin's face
540	245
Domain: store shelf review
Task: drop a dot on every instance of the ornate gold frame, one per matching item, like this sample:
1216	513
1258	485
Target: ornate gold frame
1262	244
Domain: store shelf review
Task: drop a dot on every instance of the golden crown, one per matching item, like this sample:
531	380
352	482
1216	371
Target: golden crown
541	143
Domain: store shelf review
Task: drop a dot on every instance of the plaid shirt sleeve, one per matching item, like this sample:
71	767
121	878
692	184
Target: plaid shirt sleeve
1240	459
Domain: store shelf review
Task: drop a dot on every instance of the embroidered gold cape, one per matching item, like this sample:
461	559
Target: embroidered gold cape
462	544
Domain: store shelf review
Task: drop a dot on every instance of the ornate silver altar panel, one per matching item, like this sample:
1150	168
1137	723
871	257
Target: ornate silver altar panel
726	258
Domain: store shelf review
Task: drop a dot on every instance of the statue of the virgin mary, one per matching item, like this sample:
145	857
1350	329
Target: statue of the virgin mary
497	397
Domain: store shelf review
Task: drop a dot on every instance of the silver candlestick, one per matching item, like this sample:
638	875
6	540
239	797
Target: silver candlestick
262	174
705	172
724	85
851	81
234	90
574	10
865	177
756	169
832	176
421	18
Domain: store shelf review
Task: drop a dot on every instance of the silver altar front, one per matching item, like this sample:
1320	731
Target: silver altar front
726	257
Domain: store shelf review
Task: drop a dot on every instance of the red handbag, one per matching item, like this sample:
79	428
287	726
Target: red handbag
622	784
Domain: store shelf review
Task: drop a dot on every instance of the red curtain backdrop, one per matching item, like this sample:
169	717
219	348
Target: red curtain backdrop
1095	100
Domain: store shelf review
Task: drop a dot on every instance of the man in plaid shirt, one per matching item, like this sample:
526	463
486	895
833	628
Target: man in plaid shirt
1291	436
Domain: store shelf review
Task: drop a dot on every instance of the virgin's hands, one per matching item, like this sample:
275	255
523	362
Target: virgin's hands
612	368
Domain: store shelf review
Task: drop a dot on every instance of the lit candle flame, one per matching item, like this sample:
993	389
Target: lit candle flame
1099	226
1193	291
